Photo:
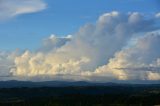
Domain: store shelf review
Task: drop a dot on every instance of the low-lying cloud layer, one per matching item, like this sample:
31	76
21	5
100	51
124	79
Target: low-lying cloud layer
13	8
117	47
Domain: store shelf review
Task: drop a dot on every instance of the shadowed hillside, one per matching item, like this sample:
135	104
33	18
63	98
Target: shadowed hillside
111	95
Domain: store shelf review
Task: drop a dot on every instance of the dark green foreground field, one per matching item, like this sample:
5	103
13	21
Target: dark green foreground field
126	95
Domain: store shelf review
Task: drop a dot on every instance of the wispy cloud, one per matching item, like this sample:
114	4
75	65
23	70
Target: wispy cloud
152	69
13	8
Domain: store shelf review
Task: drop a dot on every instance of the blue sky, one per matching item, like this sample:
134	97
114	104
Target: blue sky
63	17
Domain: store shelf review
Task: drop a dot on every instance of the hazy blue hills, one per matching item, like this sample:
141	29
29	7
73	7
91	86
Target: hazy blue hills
14	83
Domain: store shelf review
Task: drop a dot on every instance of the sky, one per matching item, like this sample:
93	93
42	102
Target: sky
93	40
61	18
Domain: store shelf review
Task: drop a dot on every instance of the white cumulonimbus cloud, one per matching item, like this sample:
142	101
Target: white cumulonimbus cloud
139	61
117	47
13	8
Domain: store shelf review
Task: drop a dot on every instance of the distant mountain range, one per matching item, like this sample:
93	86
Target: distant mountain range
14	83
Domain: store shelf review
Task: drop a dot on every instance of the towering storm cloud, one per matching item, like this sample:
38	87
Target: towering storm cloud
117	47
138	61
